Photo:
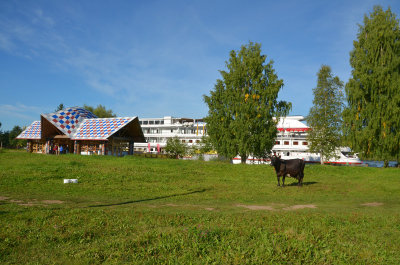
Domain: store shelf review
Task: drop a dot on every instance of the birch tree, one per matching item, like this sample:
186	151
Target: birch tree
372	117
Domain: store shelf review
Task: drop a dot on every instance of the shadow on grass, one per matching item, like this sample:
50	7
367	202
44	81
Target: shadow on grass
149	199
304	183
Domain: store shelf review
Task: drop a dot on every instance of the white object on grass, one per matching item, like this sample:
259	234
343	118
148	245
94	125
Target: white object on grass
70	181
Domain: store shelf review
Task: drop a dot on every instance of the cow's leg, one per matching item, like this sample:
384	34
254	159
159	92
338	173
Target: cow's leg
283	180
301	179
279	179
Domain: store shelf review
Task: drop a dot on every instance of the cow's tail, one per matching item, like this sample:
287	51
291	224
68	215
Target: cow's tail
303	164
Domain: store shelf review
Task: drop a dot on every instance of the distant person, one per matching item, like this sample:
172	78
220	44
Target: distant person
56	149
61	149
66	149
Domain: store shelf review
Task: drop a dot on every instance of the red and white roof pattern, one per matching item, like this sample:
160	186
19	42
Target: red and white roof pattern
292	124
69	119
33	131
100	129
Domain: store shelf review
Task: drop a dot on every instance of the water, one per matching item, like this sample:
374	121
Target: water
372	163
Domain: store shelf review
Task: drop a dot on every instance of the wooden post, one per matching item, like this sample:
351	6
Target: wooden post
131	144
77	148
30	146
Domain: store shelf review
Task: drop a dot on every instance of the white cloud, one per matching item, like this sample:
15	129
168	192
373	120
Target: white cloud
21	111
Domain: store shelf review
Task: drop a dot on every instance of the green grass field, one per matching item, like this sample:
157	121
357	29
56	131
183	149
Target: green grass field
157	211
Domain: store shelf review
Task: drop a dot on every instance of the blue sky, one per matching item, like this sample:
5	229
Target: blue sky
157	58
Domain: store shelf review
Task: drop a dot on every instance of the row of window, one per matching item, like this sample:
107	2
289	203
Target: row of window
182	131
164	140
190	141
287	143
151	122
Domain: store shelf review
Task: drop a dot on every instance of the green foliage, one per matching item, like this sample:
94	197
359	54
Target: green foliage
325	116
175	148
100	111
243	103
16	143
60	107
205	145
162	211
372	118
7	138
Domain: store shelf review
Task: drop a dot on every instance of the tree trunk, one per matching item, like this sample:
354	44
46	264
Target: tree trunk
385	163
243	158
321	158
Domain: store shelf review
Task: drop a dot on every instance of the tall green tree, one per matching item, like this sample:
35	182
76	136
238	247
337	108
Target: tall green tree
100	111
325	116
372	116
243	103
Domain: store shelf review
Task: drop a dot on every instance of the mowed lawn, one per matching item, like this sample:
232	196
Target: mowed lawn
157	211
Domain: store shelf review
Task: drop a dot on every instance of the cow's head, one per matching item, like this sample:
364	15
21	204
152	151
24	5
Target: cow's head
274	160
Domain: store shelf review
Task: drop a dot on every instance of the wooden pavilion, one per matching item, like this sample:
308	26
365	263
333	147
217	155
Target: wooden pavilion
79	131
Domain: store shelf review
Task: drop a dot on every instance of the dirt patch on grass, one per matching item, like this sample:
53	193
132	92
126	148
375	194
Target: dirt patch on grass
30	204
52	202
2	198
257	207
209	209
171	205
373	204
300	206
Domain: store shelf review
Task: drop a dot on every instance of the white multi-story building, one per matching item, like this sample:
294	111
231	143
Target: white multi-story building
158	130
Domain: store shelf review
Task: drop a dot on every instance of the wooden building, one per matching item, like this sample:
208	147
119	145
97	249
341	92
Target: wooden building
79	131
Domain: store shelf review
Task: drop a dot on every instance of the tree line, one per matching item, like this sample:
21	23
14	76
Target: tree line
363	114
7	138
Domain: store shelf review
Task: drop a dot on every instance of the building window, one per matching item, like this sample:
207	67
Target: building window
277	142
145	122
305	143
151	122
286	142
295	143
162	122
140	122
157	122
172	130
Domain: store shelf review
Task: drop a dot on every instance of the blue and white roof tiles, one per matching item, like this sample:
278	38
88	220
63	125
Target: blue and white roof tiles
100	129
69	119
78	124
33	131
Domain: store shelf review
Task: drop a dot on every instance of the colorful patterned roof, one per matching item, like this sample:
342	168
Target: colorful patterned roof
100	129
68	120
33	131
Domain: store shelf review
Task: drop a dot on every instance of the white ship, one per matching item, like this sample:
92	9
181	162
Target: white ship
291	141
